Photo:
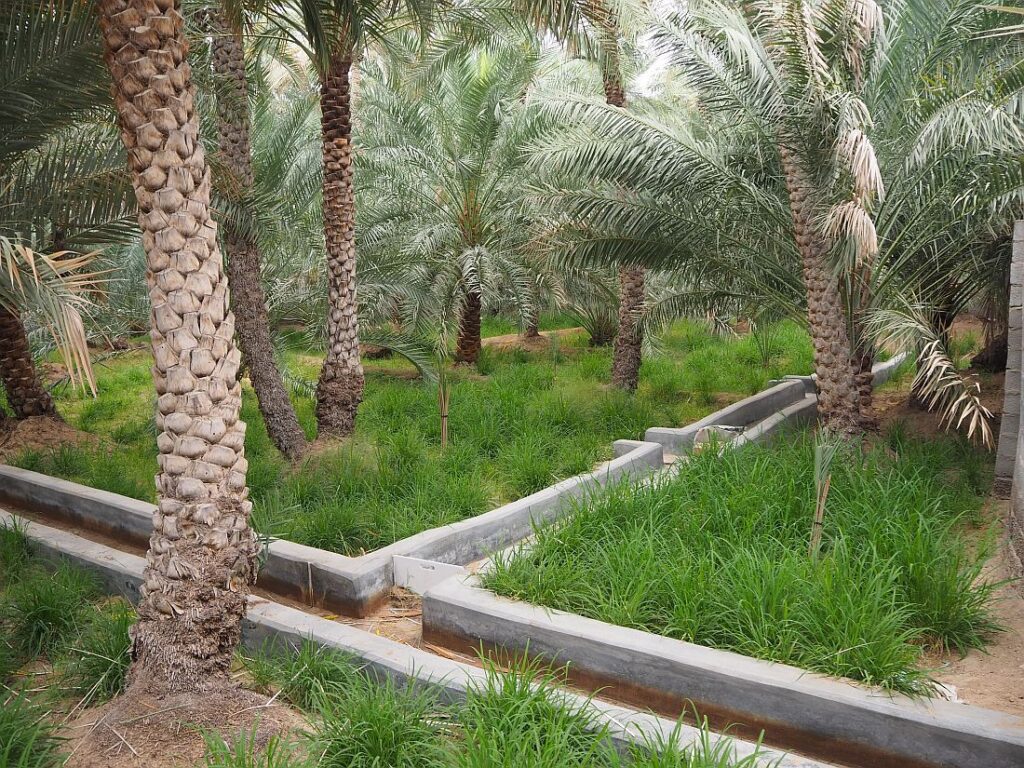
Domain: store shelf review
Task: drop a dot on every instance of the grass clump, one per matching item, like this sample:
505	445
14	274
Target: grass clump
718	556
96	663
511	719
521	421
42	610
27	736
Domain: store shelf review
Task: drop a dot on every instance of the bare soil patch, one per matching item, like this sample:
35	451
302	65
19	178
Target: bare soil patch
992	678
529	343
139	730
39	433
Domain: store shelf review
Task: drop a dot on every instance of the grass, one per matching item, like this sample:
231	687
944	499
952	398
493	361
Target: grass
518	423
512	719
53	621
719	556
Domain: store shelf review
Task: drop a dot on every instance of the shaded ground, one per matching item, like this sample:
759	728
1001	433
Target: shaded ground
167	731
40	433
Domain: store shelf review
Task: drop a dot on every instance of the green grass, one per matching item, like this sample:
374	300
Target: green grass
719	556
27	736
57	615
518	423
513	719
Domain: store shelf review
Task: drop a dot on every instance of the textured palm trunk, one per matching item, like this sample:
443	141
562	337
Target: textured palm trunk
837	390
340	388
532	325
202	552
467	344
626	352
25	393
247	297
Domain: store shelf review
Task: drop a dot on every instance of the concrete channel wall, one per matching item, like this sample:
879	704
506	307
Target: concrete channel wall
798	710
786	404
269	622
354	586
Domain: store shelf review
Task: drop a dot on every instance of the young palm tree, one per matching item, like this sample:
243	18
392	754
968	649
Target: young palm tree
333	34
201	556
54	286
443	178
247	296
700	190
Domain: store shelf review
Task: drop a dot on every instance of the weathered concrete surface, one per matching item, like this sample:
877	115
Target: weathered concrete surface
354	586
1015	523
789	403
750	410
1009	429
269	622
797	710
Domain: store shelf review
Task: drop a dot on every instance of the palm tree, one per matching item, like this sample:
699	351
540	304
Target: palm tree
333	34
60	189
443	178
202	551
55	286
243	265
700	191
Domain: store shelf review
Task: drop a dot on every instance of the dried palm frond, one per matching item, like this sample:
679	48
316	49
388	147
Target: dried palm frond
940	384
55	286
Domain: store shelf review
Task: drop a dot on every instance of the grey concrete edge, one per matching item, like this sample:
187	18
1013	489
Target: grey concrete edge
120	573
763	413
350	584
943	732
747	411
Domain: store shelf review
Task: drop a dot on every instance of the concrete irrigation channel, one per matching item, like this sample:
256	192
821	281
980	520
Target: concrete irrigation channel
639	683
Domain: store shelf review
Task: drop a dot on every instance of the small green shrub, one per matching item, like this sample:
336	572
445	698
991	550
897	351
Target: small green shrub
96	662
42	610
27	735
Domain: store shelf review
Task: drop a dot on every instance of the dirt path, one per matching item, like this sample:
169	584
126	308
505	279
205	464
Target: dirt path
512	340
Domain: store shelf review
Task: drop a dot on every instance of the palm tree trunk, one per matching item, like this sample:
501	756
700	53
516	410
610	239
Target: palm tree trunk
626	353
25	393
467	344
626	356
340	389
837	390
201	554
247	297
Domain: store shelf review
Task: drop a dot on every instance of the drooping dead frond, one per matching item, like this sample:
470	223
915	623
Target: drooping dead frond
55	286
849	220
940	384
956	396
855	151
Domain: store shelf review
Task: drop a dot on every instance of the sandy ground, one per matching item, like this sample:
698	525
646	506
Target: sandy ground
518	341
993	678
39	433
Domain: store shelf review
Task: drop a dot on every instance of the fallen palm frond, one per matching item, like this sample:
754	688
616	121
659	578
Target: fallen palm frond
56	286
942	387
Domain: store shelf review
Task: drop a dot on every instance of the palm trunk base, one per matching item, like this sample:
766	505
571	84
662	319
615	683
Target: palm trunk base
467	346
337	402
627	357
25	392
